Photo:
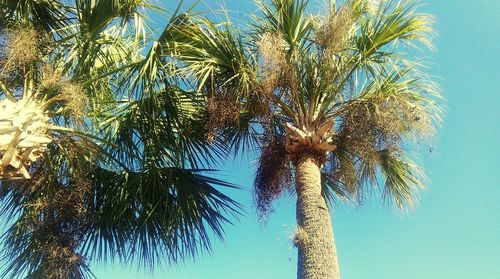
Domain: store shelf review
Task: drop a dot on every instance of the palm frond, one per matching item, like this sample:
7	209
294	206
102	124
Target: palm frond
143	138
403	179
51	16
214	56
334	190
155	215
287	19
381	34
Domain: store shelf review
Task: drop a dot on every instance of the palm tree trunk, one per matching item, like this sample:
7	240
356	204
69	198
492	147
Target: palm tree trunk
317	256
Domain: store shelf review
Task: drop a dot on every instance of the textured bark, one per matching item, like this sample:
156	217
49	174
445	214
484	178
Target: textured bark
317	256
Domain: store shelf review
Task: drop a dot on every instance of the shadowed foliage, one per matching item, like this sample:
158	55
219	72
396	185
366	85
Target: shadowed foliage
125	170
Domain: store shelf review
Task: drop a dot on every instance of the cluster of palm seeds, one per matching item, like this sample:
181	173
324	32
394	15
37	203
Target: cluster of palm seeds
276	70
221	112
59	221
63	92
344	170
371	126
258	104
273	176
333	33
397	119
21	48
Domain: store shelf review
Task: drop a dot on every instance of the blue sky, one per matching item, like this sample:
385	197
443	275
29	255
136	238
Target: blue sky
454	233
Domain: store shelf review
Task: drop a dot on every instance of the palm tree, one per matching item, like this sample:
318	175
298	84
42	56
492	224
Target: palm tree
333	102
100	143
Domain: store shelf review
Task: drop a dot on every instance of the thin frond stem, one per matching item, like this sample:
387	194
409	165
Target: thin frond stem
6	92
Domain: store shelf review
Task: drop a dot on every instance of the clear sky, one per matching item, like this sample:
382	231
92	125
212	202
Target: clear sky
454	233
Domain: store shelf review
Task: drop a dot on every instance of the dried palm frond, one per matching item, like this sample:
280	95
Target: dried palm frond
301	238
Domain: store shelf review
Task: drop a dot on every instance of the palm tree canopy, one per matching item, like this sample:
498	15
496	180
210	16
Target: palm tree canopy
124	168
344	85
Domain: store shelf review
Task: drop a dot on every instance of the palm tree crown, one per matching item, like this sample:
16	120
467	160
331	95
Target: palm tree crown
111	141
341	89
337	85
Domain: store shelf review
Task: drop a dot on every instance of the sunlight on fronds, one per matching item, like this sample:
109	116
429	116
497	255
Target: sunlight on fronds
341	79
373	5
353	70
148	114
403	179
288	19
24	136
138	127
393	23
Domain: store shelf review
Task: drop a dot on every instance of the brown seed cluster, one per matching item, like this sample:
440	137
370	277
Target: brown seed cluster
273	175
333	33
55	210
221	112
370	126
74	99
68	94
58	222
276	70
